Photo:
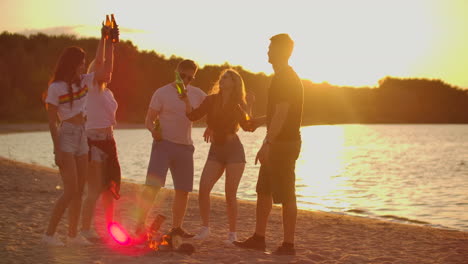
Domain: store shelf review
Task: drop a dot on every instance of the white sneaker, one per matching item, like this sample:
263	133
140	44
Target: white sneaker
89	234
232	236
79	240
203	234
52	241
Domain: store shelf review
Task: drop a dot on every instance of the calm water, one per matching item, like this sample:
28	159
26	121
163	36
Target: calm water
397	172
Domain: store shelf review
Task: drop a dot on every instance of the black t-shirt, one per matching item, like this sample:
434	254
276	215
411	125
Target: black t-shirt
286	87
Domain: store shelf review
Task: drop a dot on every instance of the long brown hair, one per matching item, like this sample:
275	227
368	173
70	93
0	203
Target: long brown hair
65	70
238	93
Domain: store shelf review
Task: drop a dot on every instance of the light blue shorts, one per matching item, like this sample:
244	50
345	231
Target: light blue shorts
72	139
176	157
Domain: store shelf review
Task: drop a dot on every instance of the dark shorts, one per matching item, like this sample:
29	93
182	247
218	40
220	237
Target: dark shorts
176	157
230	152
277	176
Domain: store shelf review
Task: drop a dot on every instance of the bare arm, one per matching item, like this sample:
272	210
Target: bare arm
151	116
277	122
188	106
53	121
104	61
200	111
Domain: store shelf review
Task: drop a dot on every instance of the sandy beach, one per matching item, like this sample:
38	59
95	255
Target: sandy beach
29	191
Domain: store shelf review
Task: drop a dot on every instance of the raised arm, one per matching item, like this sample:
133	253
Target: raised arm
199	112
104	61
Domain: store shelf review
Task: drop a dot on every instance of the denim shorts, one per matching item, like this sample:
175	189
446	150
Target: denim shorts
230	152
178	158
72	139
96	153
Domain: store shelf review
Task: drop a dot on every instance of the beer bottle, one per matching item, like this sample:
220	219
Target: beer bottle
157	125
179	84
108	25
115	32
154	236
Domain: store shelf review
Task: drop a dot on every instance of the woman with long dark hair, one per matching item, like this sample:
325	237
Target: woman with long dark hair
225	110
65	103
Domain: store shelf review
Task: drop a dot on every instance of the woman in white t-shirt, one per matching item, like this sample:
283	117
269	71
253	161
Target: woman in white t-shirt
65	101
104	169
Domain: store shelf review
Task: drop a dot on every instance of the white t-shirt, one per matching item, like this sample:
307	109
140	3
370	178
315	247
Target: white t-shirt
175	126
100	108
57	94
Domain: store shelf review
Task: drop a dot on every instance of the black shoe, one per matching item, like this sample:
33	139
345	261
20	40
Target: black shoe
252	243
180	232
285	250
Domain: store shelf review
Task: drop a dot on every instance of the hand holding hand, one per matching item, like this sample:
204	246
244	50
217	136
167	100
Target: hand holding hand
253	124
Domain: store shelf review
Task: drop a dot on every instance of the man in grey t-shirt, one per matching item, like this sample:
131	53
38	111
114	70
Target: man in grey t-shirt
172	147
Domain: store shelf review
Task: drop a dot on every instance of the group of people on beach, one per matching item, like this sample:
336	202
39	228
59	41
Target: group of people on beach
82	113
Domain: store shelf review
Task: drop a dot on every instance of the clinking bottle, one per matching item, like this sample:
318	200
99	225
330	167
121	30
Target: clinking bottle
115	33
154	236
108	24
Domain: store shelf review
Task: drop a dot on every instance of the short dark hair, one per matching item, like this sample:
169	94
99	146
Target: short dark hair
187	64
284	41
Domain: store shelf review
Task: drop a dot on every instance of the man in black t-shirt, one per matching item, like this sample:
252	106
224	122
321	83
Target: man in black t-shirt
280	149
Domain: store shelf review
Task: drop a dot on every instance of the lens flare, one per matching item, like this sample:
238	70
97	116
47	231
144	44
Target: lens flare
119	234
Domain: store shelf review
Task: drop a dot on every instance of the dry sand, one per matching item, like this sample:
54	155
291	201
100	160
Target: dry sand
27	194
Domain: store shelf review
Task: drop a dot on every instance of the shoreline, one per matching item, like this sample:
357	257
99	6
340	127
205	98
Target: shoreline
32	127
29	192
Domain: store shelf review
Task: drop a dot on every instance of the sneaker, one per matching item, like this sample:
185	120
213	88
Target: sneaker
90	235
253	242
285	249
181	232
232	236
203	234
79	240
52	241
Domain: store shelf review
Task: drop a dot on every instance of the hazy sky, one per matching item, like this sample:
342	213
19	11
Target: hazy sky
342	42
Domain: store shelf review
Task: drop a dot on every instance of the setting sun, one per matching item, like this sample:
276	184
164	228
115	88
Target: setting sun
352	43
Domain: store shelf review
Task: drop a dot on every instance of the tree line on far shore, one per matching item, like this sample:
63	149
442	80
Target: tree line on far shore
26	64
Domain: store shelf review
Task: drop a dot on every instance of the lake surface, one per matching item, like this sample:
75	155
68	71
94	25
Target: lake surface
404	173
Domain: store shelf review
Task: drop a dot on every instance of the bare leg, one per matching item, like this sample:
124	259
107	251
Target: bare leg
146	200
210	175
70	187
264	205
75	204
178	208
108	202
233	177
95	182
289	220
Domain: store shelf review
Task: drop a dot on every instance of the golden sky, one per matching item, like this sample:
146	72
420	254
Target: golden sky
341	42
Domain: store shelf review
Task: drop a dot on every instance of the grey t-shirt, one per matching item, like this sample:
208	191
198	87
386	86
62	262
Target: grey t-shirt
175	126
